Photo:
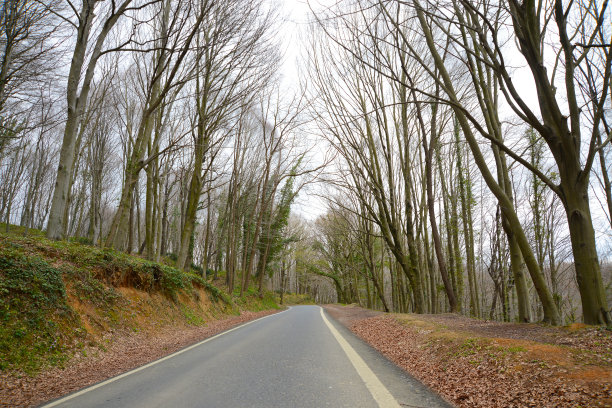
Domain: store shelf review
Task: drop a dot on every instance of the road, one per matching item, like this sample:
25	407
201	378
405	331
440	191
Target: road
296	358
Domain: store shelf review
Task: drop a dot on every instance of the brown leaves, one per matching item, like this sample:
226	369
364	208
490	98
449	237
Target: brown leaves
478	372
125	351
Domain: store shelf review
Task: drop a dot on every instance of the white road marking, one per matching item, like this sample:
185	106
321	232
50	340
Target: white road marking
379	392
110	380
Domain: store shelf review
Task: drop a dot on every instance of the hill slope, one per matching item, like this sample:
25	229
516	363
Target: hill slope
59	300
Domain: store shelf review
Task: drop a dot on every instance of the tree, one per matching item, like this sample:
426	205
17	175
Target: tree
353	111
86	54
171	70
235	60
581	55
28	47
438	68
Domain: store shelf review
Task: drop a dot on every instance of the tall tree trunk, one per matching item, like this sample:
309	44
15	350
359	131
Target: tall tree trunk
606	179
193	199
582	236
551	313
75	105
149	239
76	102
117	233
455	272
466	207
517	263
428	151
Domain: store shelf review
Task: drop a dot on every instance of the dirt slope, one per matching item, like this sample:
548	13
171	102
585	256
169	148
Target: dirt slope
125	351
74	314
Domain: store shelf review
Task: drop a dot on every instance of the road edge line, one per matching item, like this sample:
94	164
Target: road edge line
379	392
152	363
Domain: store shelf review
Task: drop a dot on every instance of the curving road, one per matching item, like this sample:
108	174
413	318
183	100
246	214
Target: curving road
296	358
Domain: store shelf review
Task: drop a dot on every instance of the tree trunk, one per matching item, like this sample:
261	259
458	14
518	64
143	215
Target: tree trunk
428	150
551	313
466	208
75	104
588	273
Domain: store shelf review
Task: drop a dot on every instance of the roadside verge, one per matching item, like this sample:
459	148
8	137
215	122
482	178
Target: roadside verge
125	352
475	363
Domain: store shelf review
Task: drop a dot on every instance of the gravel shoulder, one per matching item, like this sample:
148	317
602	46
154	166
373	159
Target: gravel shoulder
477	363
124	351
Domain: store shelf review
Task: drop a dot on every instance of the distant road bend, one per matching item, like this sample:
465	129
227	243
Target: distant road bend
296	358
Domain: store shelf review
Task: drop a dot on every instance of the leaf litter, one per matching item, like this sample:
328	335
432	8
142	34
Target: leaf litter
477	363
124	351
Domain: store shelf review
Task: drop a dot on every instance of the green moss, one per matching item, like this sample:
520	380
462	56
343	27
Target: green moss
116	268
215	293
192	317
253	302
92	290
38	327
33	311
296	299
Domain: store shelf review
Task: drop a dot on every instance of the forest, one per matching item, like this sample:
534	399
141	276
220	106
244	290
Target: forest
430	156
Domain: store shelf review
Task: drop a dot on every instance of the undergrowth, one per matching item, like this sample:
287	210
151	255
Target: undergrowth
114	268
296	299
37	325
33	311
252	301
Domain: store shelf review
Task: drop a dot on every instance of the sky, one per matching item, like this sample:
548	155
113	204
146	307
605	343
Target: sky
296	12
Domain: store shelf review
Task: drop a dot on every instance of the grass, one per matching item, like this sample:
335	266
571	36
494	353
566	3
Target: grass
252	301
192	317
296	299
516	349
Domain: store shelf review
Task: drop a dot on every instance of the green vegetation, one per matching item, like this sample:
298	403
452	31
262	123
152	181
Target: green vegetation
192	317
252	301
516	349
44	285
33	310
113	268
296	299
89	289
469	347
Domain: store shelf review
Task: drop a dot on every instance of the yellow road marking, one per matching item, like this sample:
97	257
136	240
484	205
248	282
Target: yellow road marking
379	392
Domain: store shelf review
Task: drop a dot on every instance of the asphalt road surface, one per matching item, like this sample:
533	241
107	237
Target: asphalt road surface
296	358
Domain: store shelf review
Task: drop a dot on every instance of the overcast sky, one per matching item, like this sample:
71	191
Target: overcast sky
308	204
296	13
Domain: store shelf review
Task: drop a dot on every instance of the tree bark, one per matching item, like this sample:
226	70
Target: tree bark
76	102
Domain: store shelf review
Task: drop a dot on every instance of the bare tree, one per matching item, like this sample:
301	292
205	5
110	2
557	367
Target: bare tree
28	42
580	55
235	60
88	49
171	70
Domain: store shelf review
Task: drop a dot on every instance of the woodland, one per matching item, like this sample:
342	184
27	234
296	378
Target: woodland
432	156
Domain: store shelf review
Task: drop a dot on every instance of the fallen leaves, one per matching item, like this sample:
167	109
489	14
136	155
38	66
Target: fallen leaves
479	372
124	352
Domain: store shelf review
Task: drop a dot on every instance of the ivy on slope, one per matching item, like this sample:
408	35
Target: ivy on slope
33	311
37	325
